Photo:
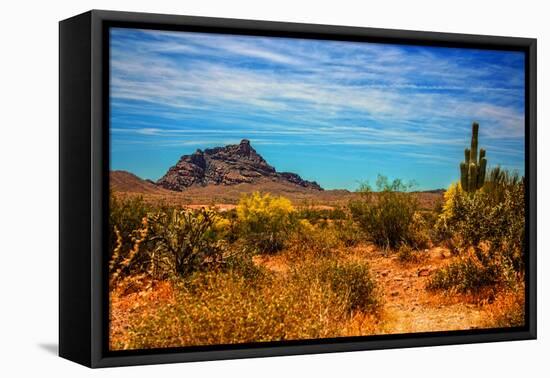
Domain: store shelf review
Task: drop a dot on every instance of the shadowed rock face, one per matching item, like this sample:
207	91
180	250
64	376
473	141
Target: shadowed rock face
229	165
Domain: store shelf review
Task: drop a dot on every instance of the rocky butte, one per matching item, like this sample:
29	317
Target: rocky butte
230	165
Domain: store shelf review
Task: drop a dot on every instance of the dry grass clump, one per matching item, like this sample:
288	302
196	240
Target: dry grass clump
215	307
507	309
322	240
407	254
351	280
313	240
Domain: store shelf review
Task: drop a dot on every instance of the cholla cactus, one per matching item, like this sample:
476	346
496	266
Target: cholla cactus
188	237
117	264
472	169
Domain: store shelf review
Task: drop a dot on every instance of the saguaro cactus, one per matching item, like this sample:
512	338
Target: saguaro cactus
472	170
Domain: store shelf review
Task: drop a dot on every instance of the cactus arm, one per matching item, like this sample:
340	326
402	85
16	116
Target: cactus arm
464	176
482	170
481	154
473	148
472	177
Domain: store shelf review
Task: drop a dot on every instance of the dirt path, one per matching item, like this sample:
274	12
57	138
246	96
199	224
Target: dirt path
408	306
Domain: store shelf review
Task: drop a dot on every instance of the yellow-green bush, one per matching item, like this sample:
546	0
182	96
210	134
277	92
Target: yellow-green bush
265	221
227	225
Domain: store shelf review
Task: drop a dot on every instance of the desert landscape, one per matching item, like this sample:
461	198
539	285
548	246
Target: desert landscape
267	189
225	249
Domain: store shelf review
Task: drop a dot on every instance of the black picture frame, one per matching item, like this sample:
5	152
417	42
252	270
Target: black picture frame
84	187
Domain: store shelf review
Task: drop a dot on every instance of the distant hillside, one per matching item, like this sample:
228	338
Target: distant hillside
127	184
227	166
122	181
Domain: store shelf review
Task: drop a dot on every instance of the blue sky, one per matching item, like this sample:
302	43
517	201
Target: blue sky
335	112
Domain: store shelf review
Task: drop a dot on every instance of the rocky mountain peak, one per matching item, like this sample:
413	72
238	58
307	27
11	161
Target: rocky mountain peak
229	165
244	145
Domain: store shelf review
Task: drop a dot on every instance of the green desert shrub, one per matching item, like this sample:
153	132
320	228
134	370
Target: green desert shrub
487	227
348	232
419	235
406	253
494	214
508	224
265	221
474	271
469	218
386	215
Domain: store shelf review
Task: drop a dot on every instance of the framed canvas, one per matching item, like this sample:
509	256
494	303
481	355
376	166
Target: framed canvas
234	188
